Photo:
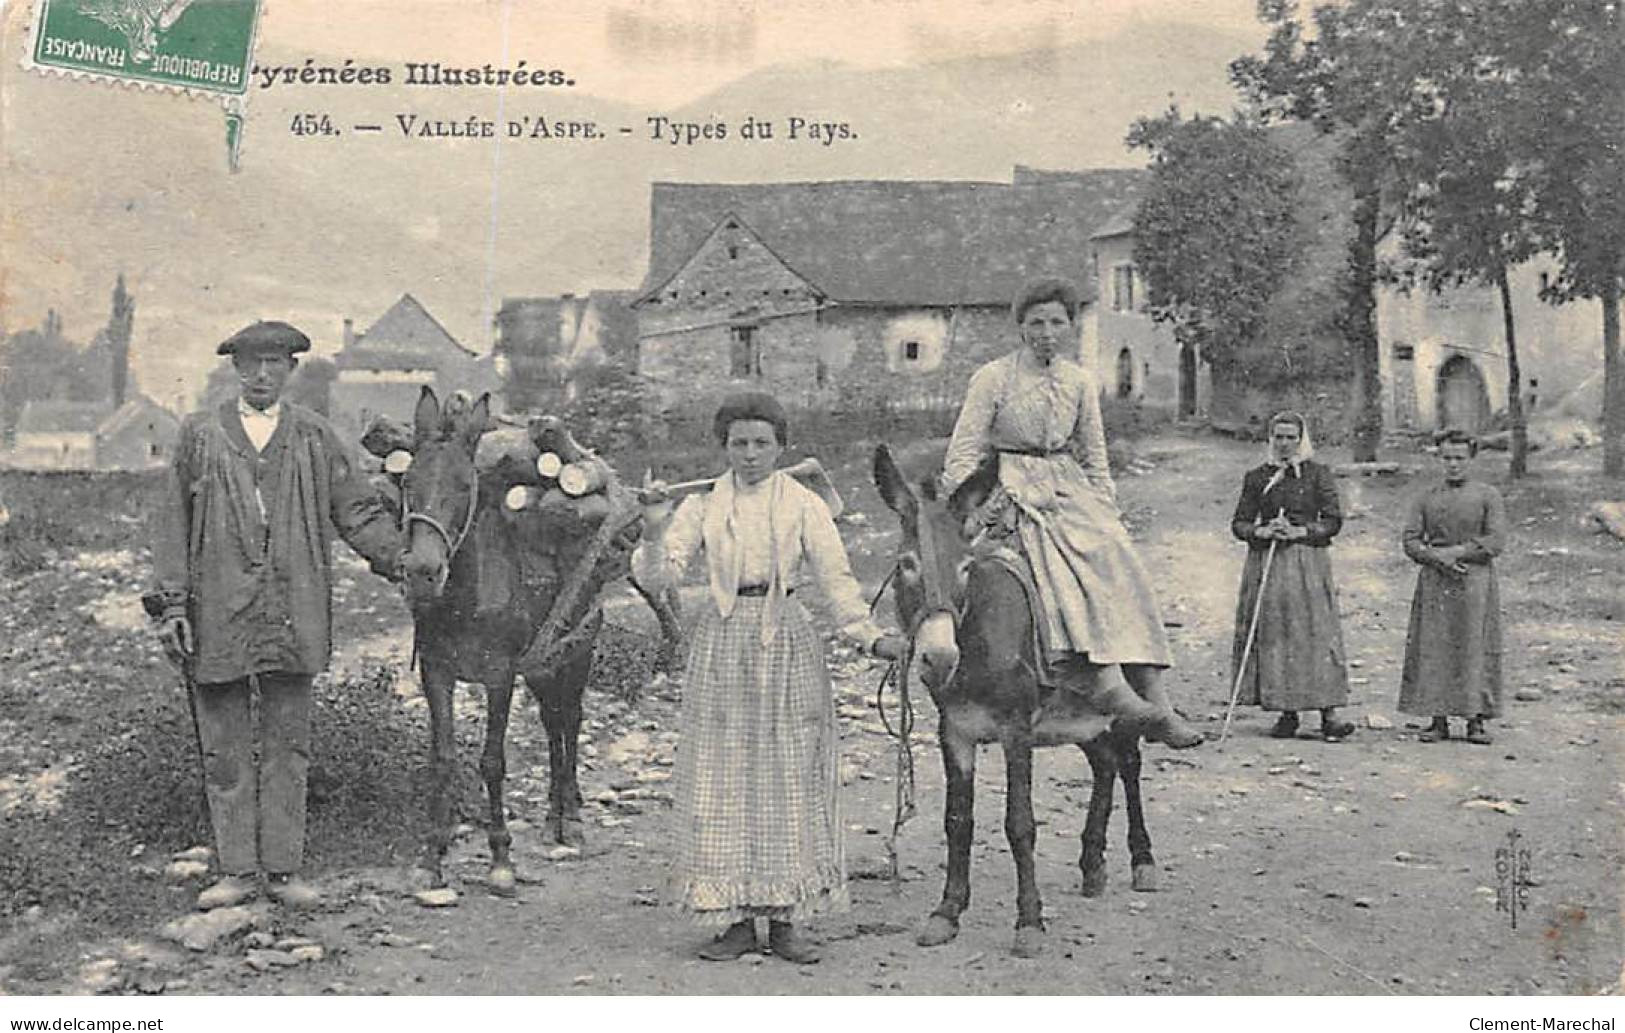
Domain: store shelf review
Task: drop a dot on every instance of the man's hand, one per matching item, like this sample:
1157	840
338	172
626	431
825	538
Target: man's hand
175	634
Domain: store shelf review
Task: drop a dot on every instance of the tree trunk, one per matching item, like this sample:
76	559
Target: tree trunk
1360	326
1613	384
1520	426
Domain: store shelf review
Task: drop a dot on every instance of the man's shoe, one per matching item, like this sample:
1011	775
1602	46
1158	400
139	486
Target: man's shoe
293	892
791	945
1286	726
739	940
1476	733
230	891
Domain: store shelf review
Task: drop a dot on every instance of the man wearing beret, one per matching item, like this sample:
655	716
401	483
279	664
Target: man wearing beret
243	567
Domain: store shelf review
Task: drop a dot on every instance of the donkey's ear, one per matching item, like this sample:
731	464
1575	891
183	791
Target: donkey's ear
478	420
894	489
976	488
426	417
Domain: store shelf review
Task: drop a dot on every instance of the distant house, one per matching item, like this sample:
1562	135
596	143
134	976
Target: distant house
855	294
1442	356
382	370
547	347
138	434
56	435
1137	357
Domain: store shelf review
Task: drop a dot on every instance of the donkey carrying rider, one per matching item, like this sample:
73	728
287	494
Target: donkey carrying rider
1039	414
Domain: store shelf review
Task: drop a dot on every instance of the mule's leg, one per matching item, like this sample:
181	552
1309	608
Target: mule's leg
558	697
494	770
1092	862
1022	832
438	682
1139	840
959	822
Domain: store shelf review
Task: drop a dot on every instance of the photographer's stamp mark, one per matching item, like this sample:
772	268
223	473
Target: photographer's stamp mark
1512	877
193	45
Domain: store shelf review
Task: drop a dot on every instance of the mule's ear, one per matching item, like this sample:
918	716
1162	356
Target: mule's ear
478	420
426	417
894	489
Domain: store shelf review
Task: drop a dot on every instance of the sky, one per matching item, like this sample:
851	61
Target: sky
99	179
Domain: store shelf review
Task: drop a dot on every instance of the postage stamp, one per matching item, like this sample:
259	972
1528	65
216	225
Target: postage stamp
201	45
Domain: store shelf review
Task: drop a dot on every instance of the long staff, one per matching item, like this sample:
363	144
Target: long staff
1252	634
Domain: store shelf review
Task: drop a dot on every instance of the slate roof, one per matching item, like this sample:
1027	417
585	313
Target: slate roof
406	336
900	242
57	417
131	411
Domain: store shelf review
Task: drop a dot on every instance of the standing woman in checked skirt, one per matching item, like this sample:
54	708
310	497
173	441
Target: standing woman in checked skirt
758	826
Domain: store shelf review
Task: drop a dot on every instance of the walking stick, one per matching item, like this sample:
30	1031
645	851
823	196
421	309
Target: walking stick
1252	633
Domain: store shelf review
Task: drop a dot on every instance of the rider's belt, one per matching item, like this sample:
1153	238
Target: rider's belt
757	591
1041	453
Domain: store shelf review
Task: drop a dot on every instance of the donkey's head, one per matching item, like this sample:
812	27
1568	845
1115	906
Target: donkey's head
930	559
440	491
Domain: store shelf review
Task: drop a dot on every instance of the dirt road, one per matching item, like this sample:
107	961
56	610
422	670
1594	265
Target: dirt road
1302	867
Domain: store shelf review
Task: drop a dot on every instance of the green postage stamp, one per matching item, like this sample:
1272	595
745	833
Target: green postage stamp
201	45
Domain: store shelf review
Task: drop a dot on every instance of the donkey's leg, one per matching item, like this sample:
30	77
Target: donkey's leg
1022	832
1092	862
1139	840
494	770
438	682
959	822
558	697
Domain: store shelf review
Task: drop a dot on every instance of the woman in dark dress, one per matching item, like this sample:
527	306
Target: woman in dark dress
1296	663
1453	649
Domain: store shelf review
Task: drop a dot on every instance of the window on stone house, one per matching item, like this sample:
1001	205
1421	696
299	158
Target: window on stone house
744	353
1123	287
820	374
733	251
154	450
911	351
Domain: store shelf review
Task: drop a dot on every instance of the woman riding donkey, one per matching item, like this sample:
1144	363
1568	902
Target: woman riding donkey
1039	414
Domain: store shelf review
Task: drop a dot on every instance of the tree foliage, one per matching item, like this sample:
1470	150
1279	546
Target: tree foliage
1215	235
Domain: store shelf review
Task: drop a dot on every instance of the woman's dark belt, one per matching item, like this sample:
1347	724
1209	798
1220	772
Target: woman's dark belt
1039	453
757	591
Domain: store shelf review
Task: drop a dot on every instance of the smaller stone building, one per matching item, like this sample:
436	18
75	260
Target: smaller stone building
137	435
382	370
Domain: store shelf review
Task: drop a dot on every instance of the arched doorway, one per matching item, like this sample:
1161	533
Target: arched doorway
1462	399
1187	380
1125	374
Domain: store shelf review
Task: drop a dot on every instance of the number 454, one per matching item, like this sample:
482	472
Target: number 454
312	125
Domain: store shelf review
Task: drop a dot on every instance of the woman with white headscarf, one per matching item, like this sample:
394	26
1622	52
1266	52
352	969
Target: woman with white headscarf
1289	503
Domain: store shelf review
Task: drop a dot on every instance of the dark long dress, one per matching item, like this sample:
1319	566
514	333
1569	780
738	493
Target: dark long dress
1297	660
1453	648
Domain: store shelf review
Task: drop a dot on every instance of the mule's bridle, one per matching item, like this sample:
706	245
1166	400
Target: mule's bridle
409	517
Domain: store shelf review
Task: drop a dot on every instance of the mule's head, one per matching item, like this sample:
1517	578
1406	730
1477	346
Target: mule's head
440	491
931	558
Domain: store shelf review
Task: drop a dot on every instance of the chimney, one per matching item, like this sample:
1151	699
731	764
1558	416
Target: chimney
349	332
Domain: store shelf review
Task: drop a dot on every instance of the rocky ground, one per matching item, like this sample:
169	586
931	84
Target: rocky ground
1366	867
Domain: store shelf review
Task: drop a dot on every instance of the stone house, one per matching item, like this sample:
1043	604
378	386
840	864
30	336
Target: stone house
57	435
382	370
138	434
852	296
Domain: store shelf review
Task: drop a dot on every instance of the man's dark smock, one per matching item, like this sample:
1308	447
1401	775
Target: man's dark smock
243	540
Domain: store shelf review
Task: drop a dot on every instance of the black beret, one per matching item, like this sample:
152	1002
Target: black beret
266	335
